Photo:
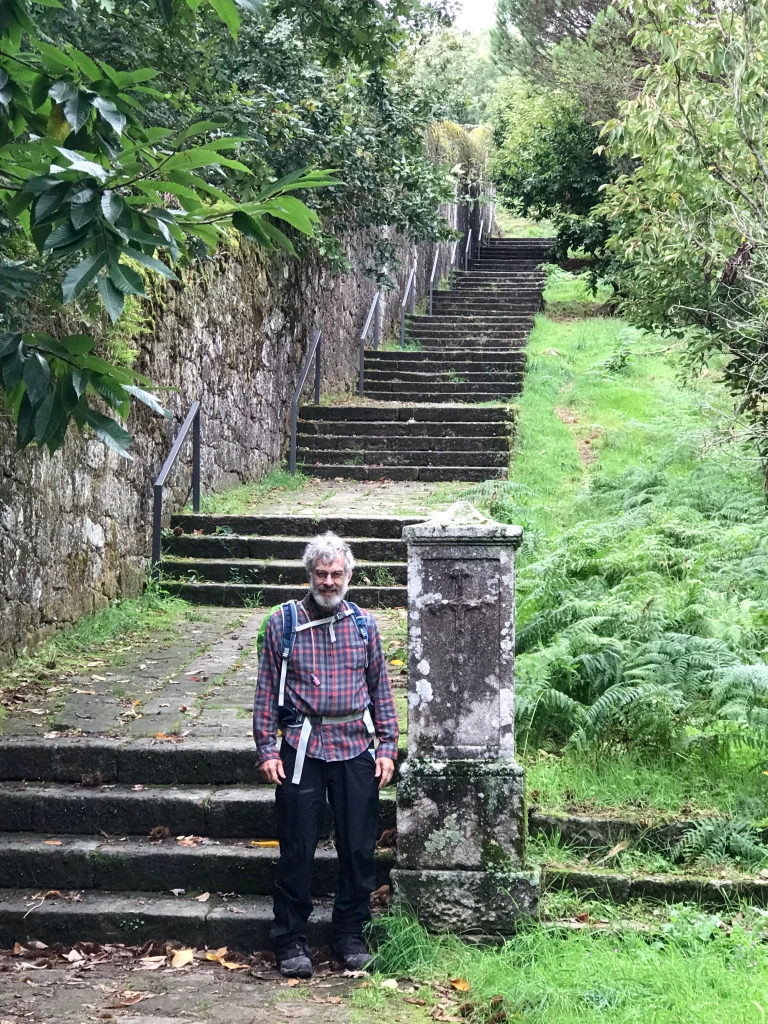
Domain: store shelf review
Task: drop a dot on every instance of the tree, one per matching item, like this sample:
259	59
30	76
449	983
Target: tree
690	225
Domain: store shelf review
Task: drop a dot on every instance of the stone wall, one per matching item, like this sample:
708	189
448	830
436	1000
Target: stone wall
75	527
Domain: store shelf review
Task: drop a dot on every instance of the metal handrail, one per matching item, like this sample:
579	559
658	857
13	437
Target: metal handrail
453	263
374	313
410	292
435	263
313	353
192	420
480	237
468	249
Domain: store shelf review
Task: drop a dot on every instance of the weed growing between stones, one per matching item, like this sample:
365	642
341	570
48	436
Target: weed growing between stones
243	498
676	964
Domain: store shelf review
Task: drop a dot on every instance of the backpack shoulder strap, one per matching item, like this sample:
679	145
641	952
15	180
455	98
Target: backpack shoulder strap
290	617
362	627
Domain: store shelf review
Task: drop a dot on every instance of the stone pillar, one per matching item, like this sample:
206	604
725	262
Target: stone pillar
461	824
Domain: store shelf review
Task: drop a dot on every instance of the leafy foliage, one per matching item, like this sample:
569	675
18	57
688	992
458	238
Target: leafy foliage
101	195
722	841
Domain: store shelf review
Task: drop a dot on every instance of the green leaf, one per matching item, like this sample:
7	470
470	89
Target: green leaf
83	213
109	112
254	6
156	187
111	206
293	211
110	390
251	228
108	431
151	262
18	203
65	234
25	423
126	279
9	343
113	299
227	11
198	128
39	92
277	236
77	110
193	159
78	344
165	10
79	163
37	374
148	400
85	64
79	277
42	417
54	59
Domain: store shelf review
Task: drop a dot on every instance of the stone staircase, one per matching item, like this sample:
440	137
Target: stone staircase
240	560
423	419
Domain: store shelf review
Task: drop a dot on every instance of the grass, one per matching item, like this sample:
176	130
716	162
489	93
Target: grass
106	634
643	564
238	499
568	296
519	227
687	968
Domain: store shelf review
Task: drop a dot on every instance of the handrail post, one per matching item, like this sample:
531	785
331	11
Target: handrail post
410	293
377	323
294	430
317	371
196	463
361	371
468	249
413	292
157	524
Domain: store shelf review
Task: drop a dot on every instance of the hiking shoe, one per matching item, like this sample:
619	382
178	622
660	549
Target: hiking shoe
294	962
353	952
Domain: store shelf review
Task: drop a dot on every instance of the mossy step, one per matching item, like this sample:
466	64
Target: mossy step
429	474
265	595
311	459
369	550
617	887
275	572
303	525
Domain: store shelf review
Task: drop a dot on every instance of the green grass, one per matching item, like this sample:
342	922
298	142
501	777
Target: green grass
568	295
105	635
238	499
686	970
519	227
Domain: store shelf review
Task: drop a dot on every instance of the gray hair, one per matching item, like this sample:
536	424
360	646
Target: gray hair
326	548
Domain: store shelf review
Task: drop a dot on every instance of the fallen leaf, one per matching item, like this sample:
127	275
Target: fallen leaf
203	897
415	1001
438	1013
178	892
265	844
128	999
618	848
73	956
292	982
182	957
135	703
389	983
397	661
583	918
52	842
18	949
460	984
764	873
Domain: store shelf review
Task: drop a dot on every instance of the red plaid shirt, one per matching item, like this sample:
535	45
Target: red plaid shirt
325	678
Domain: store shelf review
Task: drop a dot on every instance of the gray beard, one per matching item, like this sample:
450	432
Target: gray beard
323	602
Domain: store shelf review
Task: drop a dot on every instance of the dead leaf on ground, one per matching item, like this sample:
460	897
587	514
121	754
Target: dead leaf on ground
73	956
460	984
618	848
438	1013
178	892
52	842
160	833
414	1001
265	844
203	897
188	840
128	999
182	957
292	982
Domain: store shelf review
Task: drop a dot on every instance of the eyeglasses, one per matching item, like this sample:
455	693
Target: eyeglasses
321	576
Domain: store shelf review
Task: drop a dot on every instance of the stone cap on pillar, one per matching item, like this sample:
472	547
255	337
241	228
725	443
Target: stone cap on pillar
461	523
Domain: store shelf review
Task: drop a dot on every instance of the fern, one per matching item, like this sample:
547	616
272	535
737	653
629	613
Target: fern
715	841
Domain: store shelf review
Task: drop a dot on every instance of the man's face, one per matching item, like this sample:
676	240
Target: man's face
328	583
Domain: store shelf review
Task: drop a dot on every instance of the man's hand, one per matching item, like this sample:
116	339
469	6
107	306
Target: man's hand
273	771
385	769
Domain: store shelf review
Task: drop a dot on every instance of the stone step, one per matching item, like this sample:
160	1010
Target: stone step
92	862
236	812
288	572
428	362
467	397
417	433
311	459
446	413
428	474
301	525
133	918
367	549
490	319
403	386
448	375
362	442
241	595
481	346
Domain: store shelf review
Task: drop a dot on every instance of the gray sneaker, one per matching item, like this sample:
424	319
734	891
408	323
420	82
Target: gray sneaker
294	962
353	952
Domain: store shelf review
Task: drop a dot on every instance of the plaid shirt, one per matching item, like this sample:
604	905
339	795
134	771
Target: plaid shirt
325	678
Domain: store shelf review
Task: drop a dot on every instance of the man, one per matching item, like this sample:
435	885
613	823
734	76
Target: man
323	681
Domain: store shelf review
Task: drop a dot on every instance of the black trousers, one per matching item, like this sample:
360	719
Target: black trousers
352	791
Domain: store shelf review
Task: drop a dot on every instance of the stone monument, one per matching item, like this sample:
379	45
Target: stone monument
461	822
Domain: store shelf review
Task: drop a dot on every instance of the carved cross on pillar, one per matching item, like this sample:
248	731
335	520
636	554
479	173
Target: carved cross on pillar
465	582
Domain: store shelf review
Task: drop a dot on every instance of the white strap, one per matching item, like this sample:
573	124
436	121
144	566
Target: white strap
368	722
301	750
281	694
314	622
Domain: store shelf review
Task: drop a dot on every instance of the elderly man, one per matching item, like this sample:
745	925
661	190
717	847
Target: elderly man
323	682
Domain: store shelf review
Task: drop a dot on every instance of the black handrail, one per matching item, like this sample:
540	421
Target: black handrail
313	353
435	263
192	420
410	291
374	313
